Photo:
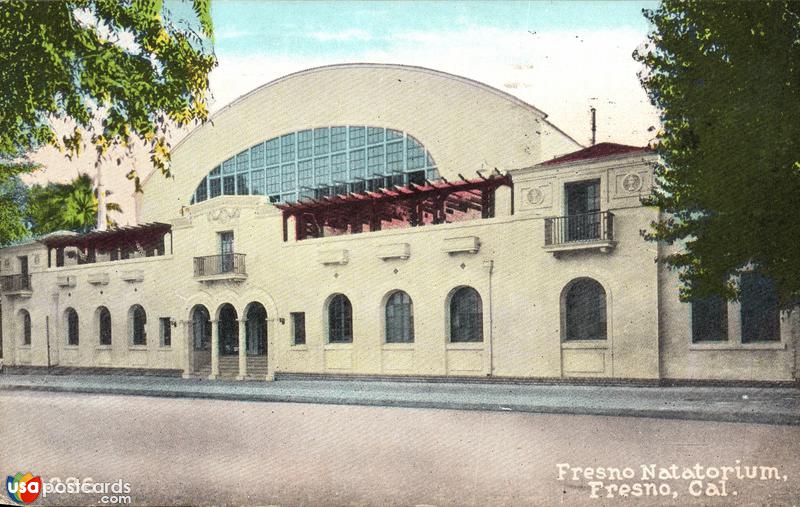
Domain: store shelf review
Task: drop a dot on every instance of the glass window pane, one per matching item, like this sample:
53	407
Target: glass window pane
287	148
375	161
243	184
357	137
760	309
201	194
339	168
288	177
215	187
273	151
321	173
273	176
229	166
243	162
305	144
394	157
257	153
229	185
338	139
374	135
585	312
257	182
305	174
321	141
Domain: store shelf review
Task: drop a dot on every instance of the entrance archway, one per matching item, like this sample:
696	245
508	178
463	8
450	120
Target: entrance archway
201	337
228	331
256	330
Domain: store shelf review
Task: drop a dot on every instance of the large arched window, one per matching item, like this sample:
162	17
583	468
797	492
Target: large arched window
319	162
73	333
466	316
104	325
584	307
340	319
138	319
25	326
399	318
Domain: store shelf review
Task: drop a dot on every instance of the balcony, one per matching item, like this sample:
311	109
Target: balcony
228	267
587	231
16	285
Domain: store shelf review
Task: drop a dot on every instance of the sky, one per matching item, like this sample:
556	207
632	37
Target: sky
562	57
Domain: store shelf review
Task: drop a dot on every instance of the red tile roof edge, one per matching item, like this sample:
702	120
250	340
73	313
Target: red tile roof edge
599	150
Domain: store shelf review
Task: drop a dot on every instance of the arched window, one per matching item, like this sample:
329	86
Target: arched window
340	320
73	333
25	324
104	325
138	319
466	316
399	318
584	309
323	161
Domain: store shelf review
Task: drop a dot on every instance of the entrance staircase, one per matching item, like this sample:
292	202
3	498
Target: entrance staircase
229	368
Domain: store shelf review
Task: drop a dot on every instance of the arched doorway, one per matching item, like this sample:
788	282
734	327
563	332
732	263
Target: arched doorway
201	337
256	330
228	331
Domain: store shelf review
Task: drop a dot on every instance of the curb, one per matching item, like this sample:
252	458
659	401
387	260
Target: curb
783	419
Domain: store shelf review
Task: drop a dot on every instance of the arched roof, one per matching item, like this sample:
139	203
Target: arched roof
466	125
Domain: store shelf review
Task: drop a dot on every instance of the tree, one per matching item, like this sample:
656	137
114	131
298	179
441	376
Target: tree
117	71
13	201
726	78
66	206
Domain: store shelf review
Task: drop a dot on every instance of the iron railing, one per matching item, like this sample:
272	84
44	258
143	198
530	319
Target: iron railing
595	226
211	265
16	283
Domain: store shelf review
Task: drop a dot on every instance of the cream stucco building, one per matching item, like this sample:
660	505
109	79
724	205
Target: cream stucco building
385	220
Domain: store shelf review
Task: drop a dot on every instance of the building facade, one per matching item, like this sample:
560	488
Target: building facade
386	220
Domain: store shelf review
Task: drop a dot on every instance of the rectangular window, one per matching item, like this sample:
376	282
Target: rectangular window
375	164
229	166
305	144
287	148
356	137
321	141
305	174
415	153
273	179
358	162
760	309
374	135
243	162
338	139
288	177
257	155
321	171
299	328
339	168
229	185
709	319
166	331
243	184
273	152
257	182
215	187
394	157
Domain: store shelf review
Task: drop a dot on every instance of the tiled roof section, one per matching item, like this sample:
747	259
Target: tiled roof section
598	151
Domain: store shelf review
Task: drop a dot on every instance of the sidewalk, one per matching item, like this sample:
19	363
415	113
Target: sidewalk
767	405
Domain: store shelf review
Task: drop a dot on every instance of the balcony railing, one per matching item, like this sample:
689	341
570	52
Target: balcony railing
220	267
15	284
575	232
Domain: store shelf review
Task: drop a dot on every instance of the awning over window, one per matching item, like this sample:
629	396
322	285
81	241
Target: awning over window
400	206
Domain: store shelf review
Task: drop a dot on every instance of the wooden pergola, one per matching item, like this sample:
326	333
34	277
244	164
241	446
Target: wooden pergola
118	242
411	205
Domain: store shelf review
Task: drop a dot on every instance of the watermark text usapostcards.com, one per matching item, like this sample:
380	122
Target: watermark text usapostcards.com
653	480
117	492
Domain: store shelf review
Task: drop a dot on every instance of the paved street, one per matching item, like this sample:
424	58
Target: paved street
195	451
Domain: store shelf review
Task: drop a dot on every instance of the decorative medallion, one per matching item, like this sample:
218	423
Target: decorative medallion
632	183
223	215
535	196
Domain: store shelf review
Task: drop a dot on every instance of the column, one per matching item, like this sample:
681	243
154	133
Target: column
271	330
214	349
187	330
242	349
